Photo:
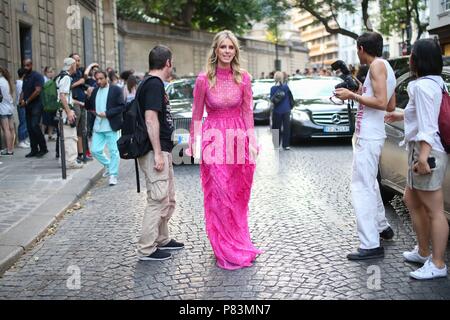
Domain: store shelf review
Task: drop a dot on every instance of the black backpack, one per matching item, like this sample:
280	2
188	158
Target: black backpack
134	142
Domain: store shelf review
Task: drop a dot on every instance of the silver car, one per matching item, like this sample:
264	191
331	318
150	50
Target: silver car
394	159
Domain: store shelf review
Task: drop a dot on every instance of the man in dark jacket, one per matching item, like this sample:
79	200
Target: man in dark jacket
107	103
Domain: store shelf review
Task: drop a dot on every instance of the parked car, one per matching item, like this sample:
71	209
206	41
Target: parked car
261	99
181	98
401	65
394	159
314	114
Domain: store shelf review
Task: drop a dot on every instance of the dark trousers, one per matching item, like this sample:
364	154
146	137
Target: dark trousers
282	122
37	139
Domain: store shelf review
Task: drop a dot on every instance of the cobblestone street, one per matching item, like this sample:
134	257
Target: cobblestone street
300	215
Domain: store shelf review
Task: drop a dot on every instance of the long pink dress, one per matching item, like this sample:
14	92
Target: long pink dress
226	180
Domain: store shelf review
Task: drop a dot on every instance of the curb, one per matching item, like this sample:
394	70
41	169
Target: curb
23	236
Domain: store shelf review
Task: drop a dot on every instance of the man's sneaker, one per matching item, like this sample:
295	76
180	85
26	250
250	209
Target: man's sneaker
429	271
113	181
105	173
158	255
387	235
31	154
75	165
365	254
172	245
414	256
23	145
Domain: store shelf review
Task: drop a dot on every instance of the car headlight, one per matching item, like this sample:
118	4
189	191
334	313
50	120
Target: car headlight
300	116
261	105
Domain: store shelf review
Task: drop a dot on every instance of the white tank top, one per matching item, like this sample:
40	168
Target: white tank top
369	121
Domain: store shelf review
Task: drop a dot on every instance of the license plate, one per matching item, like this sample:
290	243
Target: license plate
182	138
336	129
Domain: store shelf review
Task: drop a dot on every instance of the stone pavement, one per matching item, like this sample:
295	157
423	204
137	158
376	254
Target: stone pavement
300	215
33	195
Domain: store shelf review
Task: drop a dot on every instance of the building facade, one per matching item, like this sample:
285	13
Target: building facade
323	47
47	31
440	23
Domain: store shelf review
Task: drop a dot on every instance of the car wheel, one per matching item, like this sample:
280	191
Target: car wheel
386	193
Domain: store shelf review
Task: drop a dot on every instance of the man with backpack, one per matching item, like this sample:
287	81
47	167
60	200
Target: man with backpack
63	82
154	152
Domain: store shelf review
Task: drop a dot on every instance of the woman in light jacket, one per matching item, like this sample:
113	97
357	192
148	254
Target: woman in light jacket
424	196
6	111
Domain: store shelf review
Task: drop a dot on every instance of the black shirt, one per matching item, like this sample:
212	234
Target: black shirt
78	92
152	96
30	82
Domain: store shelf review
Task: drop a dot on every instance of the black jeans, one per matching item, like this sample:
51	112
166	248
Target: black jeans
37	139
282	122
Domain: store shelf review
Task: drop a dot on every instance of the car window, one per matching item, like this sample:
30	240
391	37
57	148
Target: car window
402	90
313	88
262	88
402	93
446	78
181	91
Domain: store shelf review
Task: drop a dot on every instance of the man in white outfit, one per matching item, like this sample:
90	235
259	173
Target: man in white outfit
375	97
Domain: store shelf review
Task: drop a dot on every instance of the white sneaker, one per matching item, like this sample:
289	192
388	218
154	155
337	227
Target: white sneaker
429	271
23	145
414	256
75	165
106	173
112	181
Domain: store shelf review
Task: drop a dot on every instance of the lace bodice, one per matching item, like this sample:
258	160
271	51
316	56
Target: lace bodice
225	97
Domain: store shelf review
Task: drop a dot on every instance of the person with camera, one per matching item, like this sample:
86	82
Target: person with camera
374	97
71	114
280	95
427	160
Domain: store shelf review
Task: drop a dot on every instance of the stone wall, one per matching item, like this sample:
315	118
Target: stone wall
191	48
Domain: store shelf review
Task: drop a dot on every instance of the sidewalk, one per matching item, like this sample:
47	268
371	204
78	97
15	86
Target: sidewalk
33	196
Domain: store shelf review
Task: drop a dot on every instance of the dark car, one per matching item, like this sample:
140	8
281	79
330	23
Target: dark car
261	99
394	159
314	114
181	98
401	65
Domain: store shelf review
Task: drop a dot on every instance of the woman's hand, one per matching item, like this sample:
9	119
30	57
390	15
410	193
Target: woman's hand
393	117
253	153
422	167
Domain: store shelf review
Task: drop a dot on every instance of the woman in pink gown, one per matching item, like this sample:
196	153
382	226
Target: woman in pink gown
228	152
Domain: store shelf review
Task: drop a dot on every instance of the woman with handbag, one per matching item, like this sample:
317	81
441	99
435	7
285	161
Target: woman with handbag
280	95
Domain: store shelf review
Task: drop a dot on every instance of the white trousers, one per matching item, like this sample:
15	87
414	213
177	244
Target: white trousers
366	197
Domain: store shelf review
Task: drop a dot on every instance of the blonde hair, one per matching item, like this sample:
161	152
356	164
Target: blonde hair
279	77
213	60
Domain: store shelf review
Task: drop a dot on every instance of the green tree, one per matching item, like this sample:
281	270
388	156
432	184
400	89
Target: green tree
399	15
196	14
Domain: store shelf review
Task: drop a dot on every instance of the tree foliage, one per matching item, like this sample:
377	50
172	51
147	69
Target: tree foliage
393	12
197	14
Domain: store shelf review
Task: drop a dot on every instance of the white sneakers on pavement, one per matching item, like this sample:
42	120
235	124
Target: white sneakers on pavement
414	256
429	271
112	181
23	145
